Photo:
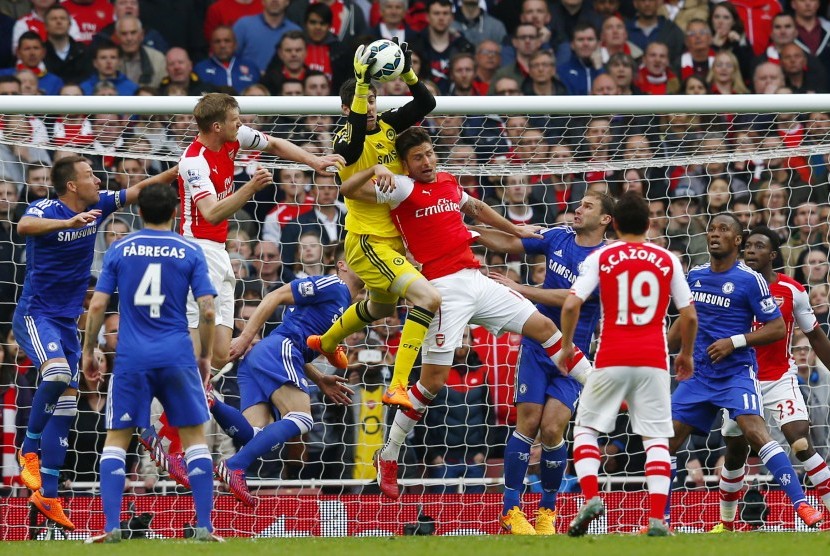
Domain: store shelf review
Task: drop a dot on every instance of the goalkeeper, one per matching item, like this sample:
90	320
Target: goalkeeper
374	249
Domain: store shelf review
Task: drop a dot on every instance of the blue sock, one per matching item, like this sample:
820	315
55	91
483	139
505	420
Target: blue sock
667	512
43	405
516	457
779	466
113	476
55	442
200	474
554	461
271	436
232	422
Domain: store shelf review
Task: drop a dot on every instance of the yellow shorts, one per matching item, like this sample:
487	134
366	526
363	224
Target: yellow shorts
382	265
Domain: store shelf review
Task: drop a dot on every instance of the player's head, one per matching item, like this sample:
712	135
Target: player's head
218	113
595	211
724	236
347	96
72	175
631	214
345	273
761	248
157	203
415	150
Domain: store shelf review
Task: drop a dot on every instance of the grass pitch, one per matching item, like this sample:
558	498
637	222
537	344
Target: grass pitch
737	544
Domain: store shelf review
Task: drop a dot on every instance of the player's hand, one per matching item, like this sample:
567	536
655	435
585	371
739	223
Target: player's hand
203	363
684	366
83	218
334	388
168	175
529	231
407	55
720	349
504	280
90	366
239	347
384	178
328	163
565	355
261	179
363	59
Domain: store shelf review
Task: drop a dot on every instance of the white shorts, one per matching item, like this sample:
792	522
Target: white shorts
782	402
222	278
646	390
468	296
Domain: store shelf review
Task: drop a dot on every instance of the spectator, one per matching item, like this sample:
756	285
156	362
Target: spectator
655	77
579	71
38	184
566	15
614	40
650	27
309	256
222	67
22	129
477	25
327	219
458	421
526	42
106	59
537	13
461	72
180	74
515	202
131	8
725	76
289	62
267	264
36	21
800	76
141	64
820	302
258	35
813	30
228	12
542	79
316	84
65	57
622	68
814	382
758	17
91	16
31	53
811	268
728	34
349	21
392	22
682	12
604	85
324	51
767	78
439	41
699	56
487	61
695	85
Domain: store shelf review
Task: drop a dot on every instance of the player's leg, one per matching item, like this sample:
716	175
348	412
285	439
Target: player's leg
540	328
797	434
732	474
113	472
255	408
557	414
199	472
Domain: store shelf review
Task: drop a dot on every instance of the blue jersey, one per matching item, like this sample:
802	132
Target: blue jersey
153	272
726	304
564	259
318	303
58	264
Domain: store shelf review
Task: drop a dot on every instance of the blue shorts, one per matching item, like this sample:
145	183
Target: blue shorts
274	362
697	402
538	379
45	338
179	389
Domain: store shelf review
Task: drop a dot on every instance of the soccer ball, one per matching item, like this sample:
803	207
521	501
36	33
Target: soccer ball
388	60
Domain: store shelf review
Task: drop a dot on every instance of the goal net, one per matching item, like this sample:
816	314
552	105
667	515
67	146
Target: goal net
763	158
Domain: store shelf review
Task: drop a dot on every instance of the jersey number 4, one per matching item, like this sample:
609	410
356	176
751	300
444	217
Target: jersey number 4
643	292
148	293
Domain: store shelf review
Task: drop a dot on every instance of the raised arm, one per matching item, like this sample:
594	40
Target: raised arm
165	177
289	151
266	308
34	226
499	241
485	214
422	102
360	186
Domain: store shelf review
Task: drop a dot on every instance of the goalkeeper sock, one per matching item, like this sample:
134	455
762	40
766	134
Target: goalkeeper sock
55	442
43	406
730	486
658	475
554	461
355	318
293	424
412	337
819	474
778	464
232	422
579	367
673	468
587	460
405	421
113	472
516	458
200	475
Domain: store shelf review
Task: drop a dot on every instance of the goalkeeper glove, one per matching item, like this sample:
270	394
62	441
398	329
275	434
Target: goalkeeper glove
409	77
363	60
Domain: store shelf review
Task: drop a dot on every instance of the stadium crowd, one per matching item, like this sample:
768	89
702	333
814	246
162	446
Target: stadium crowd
461	48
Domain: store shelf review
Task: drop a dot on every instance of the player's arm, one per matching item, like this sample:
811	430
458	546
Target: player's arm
536	294
215	210
332	386
281	296
165	177
820	344
36	226
686	324
499	241
350	140
485	214
289	151
806	320
582	289
207	322
422	102
374	185
94	321
771	331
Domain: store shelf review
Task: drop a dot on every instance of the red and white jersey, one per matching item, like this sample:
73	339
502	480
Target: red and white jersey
33	22
775	359
428	217
203	173
91	18
636	281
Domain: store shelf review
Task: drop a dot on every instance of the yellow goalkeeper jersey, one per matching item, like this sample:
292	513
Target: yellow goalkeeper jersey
378	148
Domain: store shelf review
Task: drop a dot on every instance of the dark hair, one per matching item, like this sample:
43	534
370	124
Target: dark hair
10	79
410	139
323	11
315	73
439	2
774	239
583	26
631	214
347	91
104	44
64	171
291	35
29	36
157	203
53	7
737	22
736	224
606	201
